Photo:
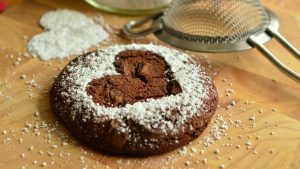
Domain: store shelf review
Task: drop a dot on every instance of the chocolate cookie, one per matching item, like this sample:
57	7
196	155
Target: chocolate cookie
134	99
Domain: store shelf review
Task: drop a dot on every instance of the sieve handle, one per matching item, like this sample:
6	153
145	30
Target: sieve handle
269	55
274	33
128	27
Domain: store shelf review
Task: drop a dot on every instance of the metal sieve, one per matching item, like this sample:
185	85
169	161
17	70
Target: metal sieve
216	26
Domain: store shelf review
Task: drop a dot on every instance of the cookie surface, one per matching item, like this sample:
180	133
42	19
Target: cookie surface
134	99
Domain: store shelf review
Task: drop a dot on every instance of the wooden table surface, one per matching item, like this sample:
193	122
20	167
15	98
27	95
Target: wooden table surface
261	129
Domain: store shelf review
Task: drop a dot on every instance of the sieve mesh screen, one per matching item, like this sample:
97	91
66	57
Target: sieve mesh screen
215	21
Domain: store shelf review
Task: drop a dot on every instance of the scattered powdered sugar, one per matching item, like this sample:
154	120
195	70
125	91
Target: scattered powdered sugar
68	32
150	113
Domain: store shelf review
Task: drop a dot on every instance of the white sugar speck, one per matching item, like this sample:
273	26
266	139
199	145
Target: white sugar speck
187	163
222	166
30	148
44	164
217	151
252	118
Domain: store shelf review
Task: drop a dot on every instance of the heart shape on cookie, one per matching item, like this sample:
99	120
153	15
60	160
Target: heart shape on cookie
67	32
143	75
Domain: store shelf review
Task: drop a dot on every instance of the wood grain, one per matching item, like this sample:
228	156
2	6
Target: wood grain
272	140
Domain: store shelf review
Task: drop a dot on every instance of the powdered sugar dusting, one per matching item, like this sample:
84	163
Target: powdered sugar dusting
69	32
153	112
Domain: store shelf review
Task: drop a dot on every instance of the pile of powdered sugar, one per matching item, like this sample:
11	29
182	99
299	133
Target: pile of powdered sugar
101	63
67	32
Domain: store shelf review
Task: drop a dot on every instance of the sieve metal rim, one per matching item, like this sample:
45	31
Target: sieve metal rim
257	40
164	35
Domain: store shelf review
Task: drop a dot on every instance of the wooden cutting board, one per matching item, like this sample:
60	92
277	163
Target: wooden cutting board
258	105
